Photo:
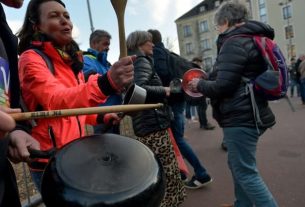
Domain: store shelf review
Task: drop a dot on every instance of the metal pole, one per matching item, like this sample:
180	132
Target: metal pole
290	40
90	16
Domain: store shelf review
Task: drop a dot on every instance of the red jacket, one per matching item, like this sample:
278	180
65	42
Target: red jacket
62	90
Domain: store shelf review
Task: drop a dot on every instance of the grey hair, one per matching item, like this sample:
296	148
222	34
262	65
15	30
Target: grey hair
136	39
97	35
232	12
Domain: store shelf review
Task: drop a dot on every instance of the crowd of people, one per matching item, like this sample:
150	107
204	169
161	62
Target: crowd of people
87	79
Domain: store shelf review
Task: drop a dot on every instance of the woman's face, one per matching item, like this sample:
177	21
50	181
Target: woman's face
55	22
222	28
147	48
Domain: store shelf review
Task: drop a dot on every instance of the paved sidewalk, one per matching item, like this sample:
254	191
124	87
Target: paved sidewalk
280	157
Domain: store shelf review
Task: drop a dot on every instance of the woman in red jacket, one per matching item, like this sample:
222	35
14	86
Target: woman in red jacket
47	27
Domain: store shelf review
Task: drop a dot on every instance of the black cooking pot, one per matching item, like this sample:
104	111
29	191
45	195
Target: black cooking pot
105	170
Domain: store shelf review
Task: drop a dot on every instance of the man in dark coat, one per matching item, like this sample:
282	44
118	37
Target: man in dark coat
177	105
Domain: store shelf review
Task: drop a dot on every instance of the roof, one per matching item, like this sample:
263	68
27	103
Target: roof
208	6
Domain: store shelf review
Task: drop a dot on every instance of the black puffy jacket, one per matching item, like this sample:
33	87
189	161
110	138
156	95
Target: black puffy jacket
149	121
237	57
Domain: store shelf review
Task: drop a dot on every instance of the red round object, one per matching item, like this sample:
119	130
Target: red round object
190	75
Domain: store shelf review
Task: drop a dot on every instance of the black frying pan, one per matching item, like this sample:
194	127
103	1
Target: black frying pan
105	170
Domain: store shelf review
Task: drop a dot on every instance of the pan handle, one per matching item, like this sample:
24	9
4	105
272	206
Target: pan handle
42	154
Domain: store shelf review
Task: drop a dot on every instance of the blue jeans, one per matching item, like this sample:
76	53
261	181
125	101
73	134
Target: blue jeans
189	111
250	189
294	83
302	89
177	126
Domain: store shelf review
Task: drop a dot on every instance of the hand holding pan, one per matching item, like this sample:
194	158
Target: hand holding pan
190	75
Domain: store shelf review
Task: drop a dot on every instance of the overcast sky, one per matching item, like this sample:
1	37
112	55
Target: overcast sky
139	15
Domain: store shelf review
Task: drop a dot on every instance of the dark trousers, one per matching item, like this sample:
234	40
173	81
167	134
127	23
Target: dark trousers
177	126
202	115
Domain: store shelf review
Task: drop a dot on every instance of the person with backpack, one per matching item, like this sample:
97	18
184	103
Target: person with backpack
47	27
95	62
232	105
177	105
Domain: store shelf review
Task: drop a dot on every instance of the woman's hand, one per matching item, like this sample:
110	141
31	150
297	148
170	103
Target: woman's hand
112	118
192	85
20	142
121	73
7	123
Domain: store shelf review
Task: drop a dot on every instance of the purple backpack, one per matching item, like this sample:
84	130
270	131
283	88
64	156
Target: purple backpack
273	83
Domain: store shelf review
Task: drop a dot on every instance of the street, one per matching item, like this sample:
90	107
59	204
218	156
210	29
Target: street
280	159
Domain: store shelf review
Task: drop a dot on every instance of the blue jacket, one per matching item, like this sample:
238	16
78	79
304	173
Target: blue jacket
96	62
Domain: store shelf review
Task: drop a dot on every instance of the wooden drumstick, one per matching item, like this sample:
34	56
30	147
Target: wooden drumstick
83	111
119	8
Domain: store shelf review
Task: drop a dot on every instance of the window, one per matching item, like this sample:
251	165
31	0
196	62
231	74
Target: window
187	30
203	26
263	18
262	11
188	48
202	9
287	12
261	4
205	44
289	32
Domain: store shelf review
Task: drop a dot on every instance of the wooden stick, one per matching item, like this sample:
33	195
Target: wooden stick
83	111
119	8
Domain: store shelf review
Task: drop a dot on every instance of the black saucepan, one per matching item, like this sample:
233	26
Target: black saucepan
105	170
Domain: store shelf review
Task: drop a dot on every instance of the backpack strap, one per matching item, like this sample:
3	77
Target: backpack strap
47	59
52	70
249	90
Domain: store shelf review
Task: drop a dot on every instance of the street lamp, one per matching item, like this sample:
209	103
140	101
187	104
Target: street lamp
90	16
289	15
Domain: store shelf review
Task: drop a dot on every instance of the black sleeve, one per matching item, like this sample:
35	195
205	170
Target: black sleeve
228	68
145	77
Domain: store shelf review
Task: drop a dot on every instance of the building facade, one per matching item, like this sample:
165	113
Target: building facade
197	36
